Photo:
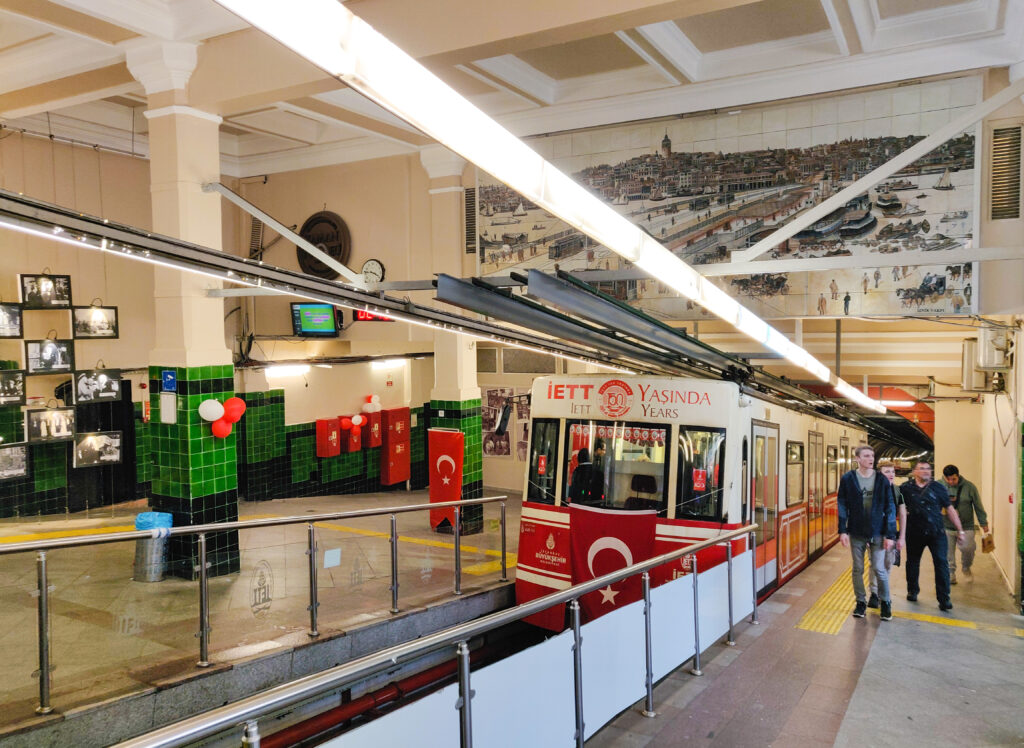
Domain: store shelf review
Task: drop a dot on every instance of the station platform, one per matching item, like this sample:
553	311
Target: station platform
811	675
114	639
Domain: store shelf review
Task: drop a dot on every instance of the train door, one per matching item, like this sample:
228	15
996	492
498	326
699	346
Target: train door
815	491
765	491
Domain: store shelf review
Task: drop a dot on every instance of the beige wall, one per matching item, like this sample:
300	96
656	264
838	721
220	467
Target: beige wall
999	483
957	425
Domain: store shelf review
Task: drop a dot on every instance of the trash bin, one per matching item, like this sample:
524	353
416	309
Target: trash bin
150	553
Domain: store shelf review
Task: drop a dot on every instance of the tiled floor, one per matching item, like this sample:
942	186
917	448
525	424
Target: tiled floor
111	635
911	681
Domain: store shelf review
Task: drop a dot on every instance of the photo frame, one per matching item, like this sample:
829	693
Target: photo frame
45	291
13	461
49	356
50	425
96	449
11	321
97	386
12	387
94	322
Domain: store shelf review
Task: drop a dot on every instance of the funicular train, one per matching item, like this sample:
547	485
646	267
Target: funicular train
704	456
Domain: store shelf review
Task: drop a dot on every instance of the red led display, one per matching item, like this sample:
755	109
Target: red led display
360	315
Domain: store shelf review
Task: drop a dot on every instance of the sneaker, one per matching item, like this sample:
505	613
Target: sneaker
968	573
886	613
873	601
912	597
858	612
952	578
946	605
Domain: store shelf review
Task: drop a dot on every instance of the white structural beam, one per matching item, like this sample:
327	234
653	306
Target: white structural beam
521	76
886	170
672	44
829	6
666	70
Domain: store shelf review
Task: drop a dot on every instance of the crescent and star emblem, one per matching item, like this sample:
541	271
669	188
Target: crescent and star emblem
443	459
609	544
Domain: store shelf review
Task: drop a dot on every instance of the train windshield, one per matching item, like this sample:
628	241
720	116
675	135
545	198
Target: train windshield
701	474
543	462
620	465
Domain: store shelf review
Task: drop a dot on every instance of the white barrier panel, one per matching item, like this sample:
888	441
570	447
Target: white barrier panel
713	591
613	665
427	723
671	625
527	699
742	587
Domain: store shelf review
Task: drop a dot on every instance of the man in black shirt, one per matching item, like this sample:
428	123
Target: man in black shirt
925	500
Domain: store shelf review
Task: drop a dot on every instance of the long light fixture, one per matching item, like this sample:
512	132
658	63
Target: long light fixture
327	34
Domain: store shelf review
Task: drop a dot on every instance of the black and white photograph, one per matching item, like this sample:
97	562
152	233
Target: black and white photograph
13	461
45	291
97	386
49	356
97	448
10	321
50	424
12	387
94	322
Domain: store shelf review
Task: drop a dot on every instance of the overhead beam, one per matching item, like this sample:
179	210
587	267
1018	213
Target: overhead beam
112	80
520	76
672	44
886	170
307	106
841	23
66	21
646	52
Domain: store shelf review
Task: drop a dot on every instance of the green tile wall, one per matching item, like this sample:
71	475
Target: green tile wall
50	466
464	416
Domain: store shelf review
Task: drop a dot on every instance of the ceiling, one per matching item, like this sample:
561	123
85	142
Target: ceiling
535	65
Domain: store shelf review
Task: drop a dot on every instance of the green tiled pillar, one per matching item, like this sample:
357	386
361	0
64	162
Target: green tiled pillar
194	474
464	415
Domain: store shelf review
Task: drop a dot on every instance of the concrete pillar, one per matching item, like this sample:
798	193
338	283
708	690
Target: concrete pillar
195	475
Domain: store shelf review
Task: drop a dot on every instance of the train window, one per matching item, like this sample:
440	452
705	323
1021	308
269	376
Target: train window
543	462
701	474
832	469
616	464
794	473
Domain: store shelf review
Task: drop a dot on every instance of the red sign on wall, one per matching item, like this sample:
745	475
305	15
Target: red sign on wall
394	460
328	437
542	464
700	480
372	433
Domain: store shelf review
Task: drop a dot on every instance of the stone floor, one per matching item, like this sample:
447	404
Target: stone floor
111	635
925	678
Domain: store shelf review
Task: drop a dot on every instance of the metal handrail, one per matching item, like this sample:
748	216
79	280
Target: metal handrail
248	709
201	568
117	537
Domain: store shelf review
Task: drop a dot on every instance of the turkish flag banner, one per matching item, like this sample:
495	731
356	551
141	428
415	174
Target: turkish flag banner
446	448
604	541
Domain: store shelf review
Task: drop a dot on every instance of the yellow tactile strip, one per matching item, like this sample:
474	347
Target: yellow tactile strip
829	612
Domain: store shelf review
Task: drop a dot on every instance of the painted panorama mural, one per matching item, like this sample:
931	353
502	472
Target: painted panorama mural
711	184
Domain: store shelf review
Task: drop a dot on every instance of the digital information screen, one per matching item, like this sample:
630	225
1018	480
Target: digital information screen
360	315
314	320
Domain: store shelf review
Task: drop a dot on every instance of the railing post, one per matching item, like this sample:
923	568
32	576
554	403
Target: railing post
394	564
648	710
504	557
465	697
577	668
43	611
753	575
204	605
457	527
696	619
730	641
251	734
314	602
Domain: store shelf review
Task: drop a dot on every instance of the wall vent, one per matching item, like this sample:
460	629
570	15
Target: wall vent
470	193
1005	187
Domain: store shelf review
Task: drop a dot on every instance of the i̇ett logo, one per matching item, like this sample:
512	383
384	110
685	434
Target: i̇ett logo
615	398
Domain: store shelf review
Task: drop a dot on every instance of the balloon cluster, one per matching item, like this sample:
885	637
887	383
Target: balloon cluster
222	416
372	404
354	424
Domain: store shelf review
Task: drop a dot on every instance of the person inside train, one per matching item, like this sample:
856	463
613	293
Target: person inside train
581	483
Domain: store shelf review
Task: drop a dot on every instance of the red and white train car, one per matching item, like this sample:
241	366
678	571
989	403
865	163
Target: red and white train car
703	455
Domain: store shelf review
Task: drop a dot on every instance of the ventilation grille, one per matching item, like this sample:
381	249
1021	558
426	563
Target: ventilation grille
256	239
1006	173
470	193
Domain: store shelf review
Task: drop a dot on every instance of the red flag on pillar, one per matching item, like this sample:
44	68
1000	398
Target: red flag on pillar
446	448
604	541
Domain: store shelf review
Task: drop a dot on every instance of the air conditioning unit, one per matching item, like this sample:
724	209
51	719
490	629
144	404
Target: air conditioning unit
991	350
972	379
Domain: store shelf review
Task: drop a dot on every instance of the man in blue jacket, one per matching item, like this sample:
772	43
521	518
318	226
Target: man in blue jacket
867	521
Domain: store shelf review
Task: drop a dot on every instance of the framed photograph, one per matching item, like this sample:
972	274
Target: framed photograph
97	448
10	321
13	461
94	322
50	425
45	291
12	387
97	386
49	356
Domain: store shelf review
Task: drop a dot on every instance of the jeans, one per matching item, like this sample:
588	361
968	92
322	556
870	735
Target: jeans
877	548
966	553
890	558
936	545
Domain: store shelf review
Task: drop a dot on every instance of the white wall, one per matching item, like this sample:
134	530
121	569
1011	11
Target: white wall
999	482
957	426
